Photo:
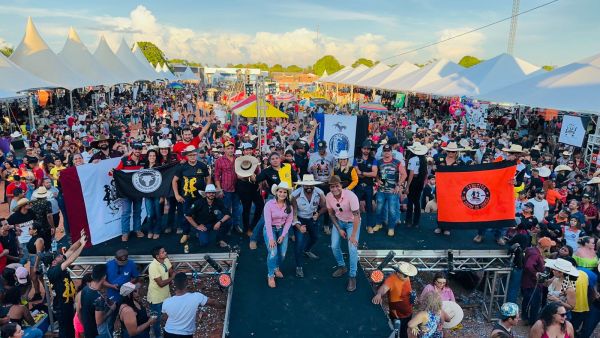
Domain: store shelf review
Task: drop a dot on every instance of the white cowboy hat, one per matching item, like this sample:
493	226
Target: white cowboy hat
406	269
464	143
514	148
245	166
189	149
563	266
567	153
454	311
16	134
40	193
281	185
164	144
343	155
562	167
210	188
594	180
308	179
452	146
544	171
418	149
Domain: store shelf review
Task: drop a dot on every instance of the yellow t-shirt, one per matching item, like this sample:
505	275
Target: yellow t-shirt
157	294
581	293
55	174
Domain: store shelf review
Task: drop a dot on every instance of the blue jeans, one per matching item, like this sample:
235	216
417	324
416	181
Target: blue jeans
364	192
532	301
175	210
204	236
514	285
32	332
156	309
304	241
591	322
388	202
182	222
337	250
233	204
276	255
261	223
498	232
126	206
154	215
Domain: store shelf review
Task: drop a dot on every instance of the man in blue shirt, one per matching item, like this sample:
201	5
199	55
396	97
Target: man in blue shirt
118	272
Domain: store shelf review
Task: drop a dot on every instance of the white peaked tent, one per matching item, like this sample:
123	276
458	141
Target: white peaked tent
426	75
324	75
105	56
158	68
167	73
131	62
367	73
79	58
139	55
338	74
188	75
34	55
484	77
14	79
573	87
342	78
391	74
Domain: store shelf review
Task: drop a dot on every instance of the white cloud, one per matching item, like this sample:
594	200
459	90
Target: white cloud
469	44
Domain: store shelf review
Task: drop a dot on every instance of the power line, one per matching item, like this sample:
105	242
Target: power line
471	31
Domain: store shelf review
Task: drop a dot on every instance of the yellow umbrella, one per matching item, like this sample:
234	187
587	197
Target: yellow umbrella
249	110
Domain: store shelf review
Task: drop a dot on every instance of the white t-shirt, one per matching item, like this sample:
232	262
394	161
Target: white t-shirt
182	312
175	116
413	164
539	208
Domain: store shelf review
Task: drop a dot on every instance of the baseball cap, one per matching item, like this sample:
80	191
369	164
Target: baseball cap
546	242
228	143
387	147
138	146
393	141
367	144
529	205
126	289
322	144
509	310
21	273
247	146
586	195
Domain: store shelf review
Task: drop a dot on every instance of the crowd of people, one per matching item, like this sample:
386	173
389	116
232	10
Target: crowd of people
227	185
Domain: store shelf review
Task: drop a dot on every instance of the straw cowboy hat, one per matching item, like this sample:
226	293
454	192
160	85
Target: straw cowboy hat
567	153
41	193
281	185
454	311
594	180
164	144
188	150
102	138
452	146
563	167
210	188
406	269
308	179
563	266
20	203
343	155
418	149
245	166
514	148
544	171
16	134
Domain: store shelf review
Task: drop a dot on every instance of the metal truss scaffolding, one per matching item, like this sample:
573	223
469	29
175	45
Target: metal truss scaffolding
496	265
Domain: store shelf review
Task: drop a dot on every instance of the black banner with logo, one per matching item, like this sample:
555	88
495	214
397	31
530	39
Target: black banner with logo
154	182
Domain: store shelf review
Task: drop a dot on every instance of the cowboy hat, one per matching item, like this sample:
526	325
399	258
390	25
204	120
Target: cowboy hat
562	167
16	134
544	171
464	143
281	185
189	149
308	179
567	153
594	180
20	203
418	149
514	148
454	311
343	155
210	188
102	138
41	192
406	269
536	147
164	144
452	146
563	266
245	166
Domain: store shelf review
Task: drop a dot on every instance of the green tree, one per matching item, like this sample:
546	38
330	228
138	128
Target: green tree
469	61
363	61
548	68
7	51
327	63
277	68
293	69
152	53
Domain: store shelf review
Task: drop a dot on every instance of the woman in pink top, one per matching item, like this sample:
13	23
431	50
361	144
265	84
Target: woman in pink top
278	216
439	285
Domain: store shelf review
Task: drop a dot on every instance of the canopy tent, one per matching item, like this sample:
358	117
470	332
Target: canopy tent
389	75
366	74
14	79
358	70
79	58
158	68
188	75
105	56
139	55
426	75
338	74
34	56
247	108
131	62
167	73
573	87
486	76
285	97
324	75
373	106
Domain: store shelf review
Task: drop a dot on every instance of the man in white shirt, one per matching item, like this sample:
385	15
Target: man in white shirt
182	309
540	205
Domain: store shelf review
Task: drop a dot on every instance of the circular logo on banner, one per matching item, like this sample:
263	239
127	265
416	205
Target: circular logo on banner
338	142
146	180
475	196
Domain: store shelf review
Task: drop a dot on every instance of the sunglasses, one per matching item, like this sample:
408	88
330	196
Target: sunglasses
339	207
562	314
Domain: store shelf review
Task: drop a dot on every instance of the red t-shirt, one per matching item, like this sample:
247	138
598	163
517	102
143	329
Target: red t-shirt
13	185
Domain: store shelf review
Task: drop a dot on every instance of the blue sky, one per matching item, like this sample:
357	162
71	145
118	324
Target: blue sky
285	32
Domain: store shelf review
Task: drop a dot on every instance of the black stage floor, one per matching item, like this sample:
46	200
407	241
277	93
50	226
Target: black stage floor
422	238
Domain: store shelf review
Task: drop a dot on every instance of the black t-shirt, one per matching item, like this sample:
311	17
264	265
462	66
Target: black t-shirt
91	301
203	213
61	283
11	243
192	179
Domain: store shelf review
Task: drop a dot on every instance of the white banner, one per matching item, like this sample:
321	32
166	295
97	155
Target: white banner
340	134
572	131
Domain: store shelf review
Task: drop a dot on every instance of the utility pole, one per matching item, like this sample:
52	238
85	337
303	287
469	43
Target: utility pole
513	27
